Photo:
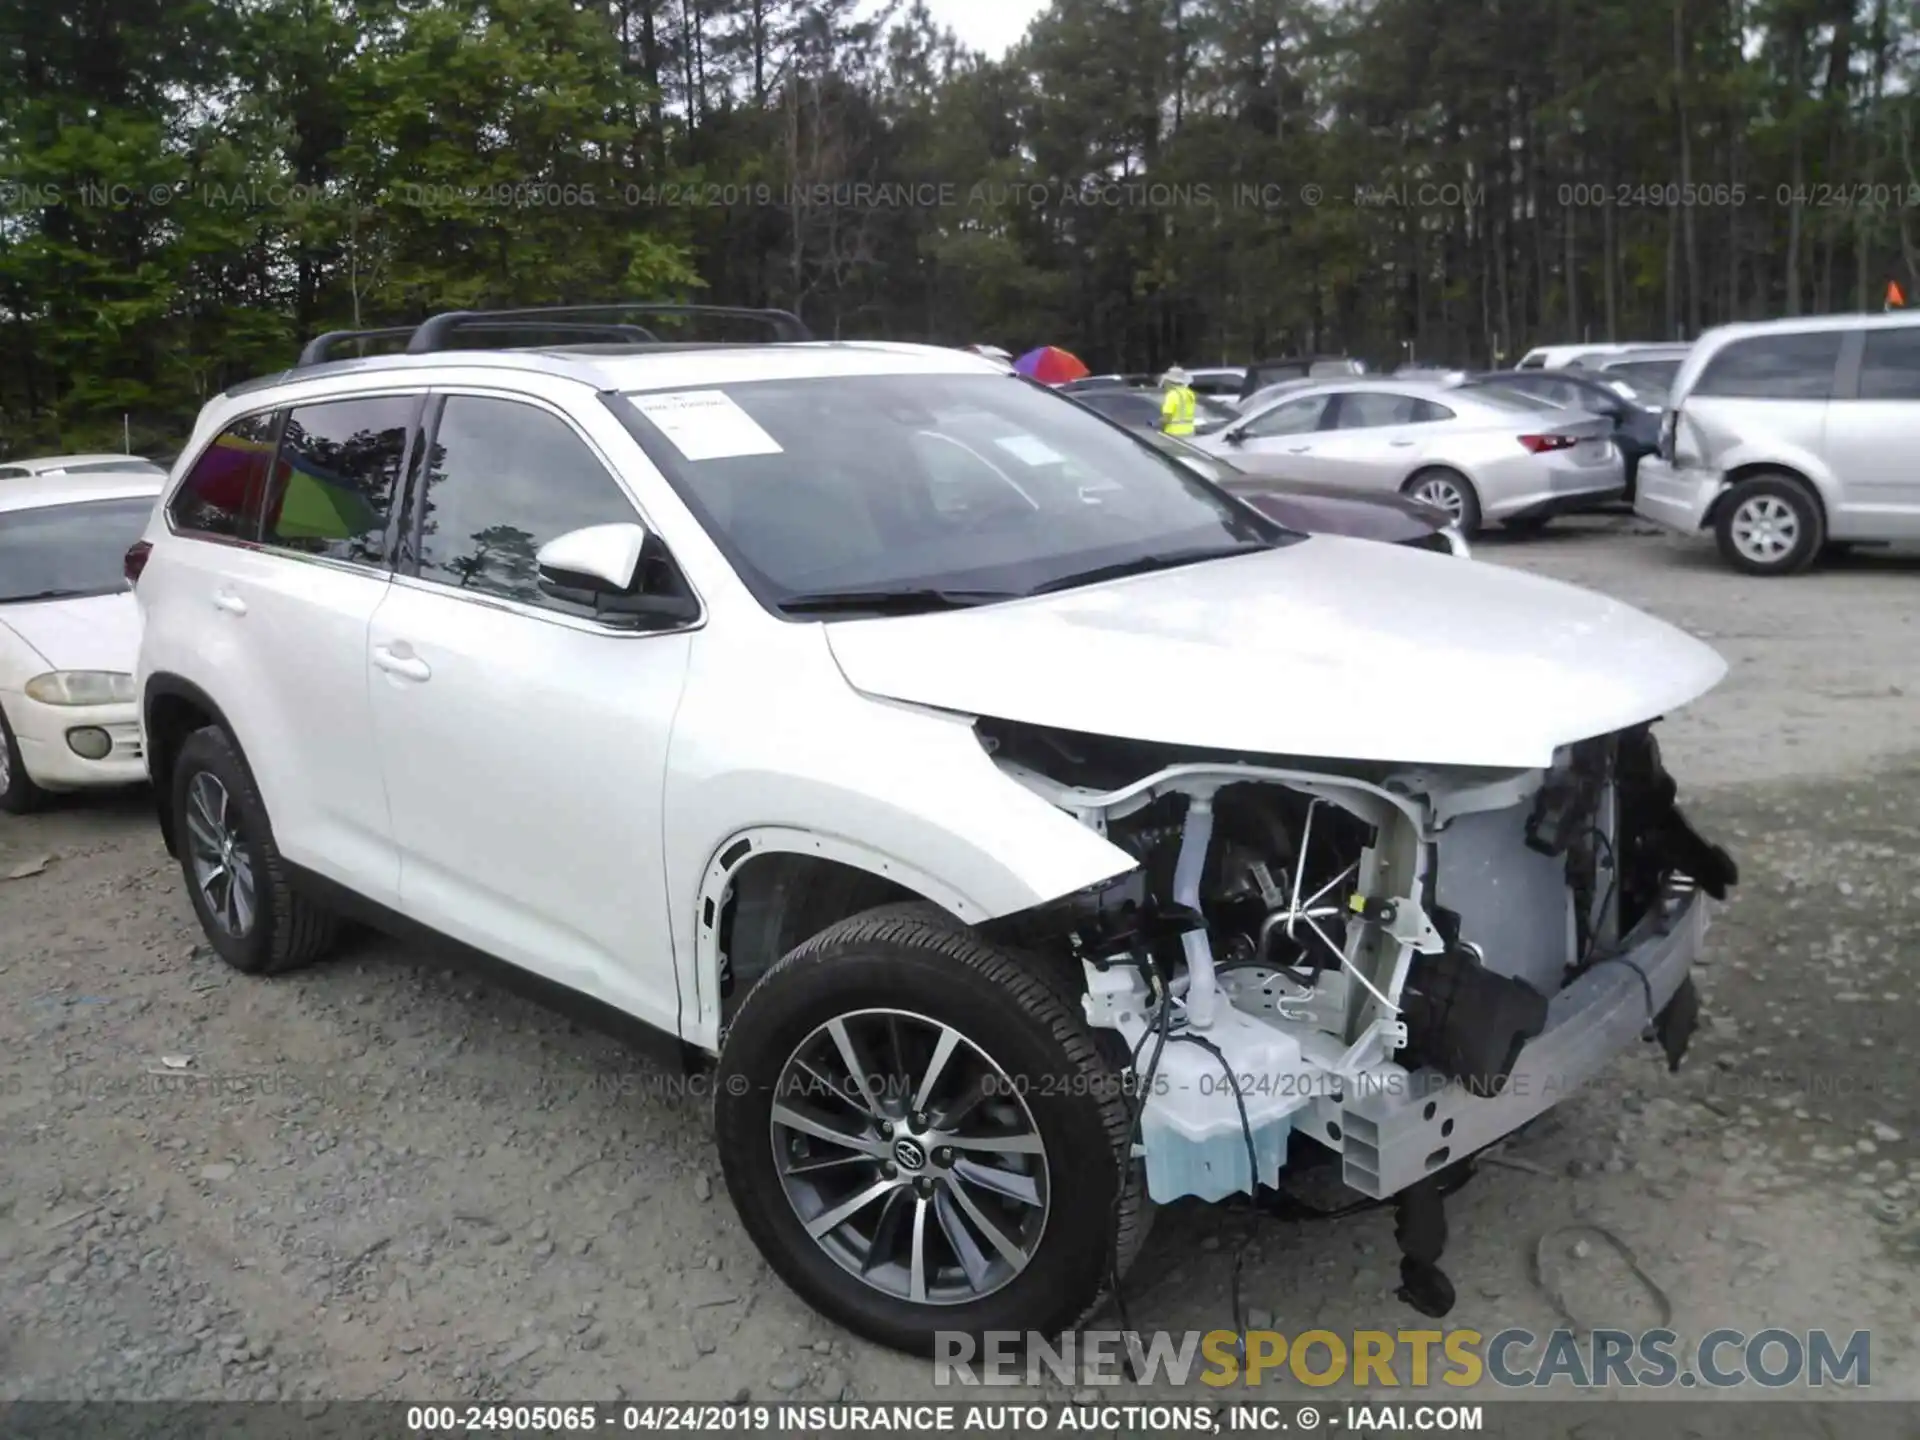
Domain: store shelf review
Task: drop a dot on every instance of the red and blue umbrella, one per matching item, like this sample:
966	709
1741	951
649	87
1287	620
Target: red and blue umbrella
1051	365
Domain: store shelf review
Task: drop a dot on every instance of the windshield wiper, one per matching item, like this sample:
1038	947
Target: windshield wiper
1143	564
912	601
47	595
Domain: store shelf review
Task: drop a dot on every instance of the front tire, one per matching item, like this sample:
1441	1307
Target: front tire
921	1137
18	794
1770	525
1452	492
236	879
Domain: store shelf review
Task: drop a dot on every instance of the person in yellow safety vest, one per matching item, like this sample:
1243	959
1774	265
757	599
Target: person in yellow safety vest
1176	408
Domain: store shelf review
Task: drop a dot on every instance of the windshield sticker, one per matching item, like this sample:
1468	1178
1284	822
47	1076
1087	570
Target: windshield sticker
1030	450
706	424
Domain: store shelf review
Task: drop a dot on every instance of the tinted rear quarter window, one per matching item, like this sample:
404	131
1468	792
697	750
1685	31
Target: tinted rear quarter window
1774	367
221	494
1890	365
336	477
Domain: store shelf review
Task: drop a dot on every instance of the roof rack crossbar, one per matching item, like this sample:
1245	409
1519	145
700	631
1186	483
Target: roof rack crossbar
436	332
321	347
581	333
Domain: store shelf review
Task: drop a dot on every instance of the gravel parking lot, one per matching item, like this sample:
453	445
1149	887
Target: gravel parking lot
381	1177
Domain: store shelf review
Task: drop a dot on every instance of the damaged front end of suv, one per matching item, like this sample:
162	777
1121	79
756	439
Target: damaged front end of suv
1386	967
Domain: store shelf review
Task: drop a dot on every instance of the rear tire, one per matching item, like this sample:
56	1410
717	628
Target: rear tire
18	794
253	917
900	983
1770	525
1452	492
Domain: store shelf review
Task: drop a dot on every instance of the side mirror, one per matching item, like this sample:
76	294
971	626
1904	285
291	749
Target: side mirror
599	567
1233	435
601	559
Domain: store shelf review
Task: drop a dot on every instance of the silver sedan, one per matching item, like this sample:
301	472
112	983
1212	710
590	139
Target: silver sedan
1485	456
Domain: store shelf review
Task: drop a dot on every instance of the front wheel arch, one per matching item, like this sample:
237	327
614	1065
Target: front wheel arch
1469	520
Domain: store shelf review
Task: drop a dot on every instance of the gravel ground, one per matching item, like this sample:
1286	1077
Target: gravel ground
381	1178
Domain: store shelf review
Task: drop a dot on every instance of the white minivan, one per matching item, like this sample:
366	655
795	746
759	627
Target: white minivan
1789	437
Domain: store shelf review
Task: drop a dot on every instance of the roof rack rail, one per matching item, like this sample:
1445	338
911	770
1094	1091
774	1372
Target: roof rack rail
436	334
321	347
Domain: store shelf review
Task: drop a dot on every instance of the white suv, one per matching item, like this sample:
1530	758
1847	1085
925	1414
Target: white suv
1029	829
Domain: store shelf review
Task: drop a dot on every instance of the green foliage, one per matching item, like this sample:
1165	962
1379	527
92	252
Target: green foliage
189	188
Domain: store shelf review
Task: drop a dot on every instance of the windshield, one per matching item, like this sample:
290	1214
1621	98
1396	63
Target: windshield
1506	397
1498	398
983	484
59	551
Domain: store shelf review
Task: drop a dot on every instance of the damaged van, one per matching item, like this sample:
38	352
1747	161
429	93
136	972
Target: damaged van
1026	831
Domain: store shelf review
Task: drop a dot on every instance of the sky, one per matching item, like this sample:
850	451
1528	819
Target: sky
989	25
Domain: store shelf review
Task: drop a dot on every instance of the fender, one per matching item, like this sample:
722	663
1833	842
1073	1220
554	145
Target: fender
1001	850
716	887
161	739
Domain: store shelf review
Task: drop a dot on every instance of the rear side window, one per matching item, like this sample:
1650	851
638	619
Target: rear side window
1890	365
337	475
1774	367
221	494
1370	409
502	480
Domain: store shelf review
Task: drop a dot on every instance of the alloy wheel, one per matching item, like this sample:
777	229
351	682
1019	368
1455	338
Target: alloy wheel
1765	529
910	1157
222	869
1440	491
6	765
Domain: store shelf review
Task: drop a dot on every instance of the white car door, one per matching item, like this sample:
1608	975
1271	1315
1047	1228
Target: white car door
524	739
1280	441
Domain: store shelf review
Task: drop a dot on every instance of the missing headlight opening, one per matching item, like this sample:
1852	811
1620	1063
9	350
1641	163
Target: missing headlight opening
1390	968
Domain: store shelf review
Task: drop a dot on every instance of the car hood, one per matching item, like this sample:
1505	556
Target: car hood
1327	647
97	632
1328	510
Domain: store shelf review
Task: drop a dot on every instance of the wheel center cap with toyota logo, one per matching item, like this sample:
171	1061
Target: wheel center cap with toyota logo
908	1155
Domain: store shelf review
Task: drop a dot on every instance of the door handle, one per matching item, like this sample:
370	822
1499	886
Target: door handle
407	667
1401	444
231	603
1299	450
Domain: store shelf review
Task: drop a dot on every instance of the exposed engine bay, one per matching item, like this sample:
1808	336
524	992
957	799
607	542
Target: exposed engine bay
1368	958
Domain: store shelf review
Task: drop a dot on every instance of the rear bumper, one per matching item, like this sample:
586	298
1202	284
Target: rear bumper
1568	504
1534	487
46	750
1675	499
1404	1132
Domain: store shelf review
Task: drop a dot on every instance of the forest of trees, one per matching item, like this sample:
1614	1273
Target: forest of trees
189	188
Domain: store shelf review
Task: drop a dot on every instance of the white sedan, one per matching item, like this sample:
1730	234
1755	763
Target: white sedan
80	465
1482	456
69	633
